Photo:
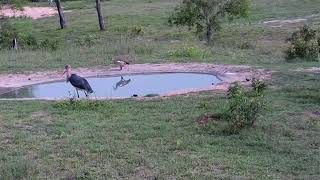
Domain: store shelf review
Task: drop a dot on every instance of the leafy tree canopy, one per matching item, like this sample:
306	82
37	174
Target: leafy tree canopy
206	16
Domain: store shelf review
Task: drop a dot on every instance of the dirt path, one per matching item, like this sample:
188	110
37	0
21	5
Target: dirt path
32	12
290	23
286	23
227	73
310	70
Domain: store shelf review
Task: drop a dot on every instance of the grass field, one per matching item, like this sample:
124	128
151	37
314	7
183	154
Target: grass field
266	44
160	138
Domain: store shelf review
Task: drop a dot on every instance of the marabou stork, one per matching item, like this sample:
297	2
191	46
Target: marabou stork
121	61
77	82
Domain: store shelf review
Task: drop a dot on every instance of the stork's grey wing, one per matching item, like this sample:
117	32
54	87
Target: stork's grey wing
87	86
77	81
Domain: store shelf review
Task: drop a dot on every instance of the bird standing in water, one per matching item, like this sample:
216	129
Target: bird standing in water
77	82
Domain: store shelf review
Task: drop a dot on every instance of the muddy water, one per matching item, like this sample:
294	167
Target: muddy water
119	86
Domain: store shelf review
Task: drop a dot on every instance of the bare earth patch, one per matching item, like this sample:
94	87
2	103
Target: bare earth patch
311	70
32	12
286	23
290	23
227	74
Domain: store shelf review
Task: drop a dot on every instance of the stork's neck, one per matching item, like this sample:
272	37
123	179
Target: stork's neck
68	74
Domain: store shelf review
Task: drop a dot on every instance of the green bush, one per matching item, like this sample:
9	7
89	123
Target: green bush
28	41
305	43
18	4
137	31
79	105
49	44
86	40
244	107
8	32
246	45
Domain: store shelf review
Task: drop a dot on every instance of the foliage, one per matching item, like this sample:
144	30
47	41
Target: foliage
305	43
137	31
49	44
8	32
79	105
86	40
18	4
246	45
206	16
244	107
28	40
25	40
151	95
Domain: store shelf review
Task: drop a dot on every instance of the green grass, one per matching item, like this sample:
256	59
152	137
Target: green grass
160	138
265	45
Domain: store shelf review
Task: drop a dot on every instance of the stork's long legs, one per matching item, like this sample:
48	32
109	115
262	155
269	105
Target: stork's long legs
77	93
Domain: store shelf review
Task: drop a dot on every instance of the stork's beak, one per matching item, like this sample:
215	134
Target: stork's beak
65	71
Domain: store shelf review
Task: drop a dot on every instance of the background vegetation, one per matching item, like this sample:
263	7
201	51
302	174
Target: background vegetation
241	42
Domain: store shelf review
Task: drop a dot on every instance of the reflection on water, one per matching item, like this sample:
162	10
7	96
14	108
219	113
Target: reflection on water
123	86
121	83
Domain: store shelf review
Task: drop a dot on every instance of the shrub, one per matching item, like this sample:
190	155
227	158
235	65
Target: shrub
244	106
151	95
28	41
18	4
246	45
8	32
80	105
87	40
305	43
137	31
49	44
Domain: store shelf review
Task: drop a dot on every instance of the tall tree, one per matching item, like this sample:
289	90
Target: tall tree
206	16
61	15
100	17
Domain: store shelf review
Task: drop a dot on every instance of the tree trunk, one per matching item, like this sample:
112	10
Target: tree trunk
209	34
15	44
101	21
61	15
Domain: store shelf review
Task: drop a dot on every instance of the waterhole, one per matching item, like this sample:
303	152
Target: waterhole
118	86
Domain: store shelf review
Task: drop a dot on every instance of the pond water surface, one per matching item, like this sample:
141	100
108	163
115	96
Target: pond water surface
119	86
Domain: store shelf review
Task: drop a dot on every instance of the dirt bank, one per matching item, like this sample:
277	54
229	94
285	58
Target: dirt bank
227	73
